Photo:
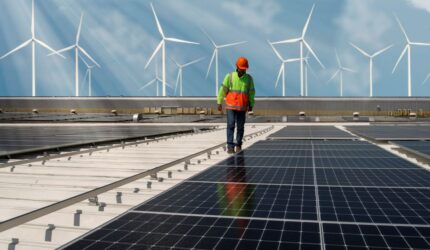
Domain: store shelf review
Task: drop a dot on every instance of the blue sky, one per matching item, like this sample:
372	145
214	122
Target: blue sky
121	35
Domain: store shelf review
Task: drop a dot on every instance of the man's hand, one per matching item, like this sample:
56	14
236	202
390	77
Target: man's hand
219	107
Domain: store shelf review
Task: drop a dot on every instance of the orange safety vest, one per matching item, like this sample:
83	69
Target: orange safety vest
235	99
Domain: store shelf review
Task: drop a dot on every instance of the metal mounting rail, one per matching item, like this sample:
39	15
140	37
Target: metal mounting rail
90	151
19	220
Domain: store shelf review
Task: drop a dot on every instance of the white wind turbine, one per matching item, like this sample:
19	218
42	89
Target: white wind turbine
302	42
371	63
157	80
339	72
180	70
407	48
89	74
307	67
78	49
282	68
33	41
162	46
215	57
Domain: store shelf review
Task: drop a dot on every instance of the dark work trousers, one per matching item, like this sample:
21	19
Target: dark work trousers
235	118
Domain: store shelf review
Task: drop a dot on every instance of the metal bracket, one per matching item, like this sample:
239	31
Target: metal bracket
119	197
48	232
77	218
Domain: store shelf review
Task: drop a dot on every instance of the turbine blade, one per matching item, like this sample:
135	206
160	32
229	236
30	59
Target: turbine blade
339	64
294	40
85	62
276	51
24	44
148	84
157	21
176	40
403	29
62	50
154	53
279	74
48	48
208	36
307	21
334	75
177	82
359	50
85	76
292	60
425	80
193	62
313	54
312	70
78	35
232	44
88	56
400	58
177	64
348	69
382	51
421	44
210	63
32	19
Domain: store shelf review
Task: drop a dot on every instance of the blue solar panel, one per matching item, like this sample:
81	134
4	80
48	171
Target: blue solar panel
421	148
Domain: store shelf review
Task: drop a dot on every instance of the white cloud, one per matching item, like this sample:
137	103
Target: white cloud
421	4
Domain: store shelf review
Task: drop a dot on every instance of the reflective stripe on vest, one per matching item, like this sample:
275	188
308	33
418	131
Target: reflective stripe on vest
236	99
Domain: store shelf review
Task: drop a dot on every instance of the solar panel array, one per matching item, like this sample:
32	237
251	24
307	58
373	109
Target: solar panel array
393	132
311	132
21	139
280	194
421	148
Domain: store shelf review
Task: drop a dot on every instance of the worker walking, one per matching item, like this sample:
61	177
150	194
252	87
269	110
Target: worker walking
238	91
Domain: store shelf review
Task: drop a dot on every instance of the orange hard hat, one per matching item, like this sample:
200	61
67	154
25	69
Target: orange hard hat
242	63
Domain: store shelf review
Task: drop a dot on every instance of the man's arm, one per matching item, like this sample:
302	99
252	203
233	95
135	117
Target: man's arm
251	94
223	89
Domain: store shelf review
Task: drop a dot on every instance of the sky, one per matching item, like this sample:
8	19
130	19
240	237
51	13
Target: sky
121	35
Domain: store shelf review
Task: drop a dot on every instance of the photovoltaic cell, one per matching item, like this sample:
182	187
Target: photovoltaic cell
391	133
418	147
237	199
311	132
363	163
267	161
158	231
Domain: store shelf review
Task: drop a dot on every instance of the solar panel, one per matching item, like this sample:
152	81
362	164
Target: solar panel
159	231
375	205
261	175
373	177
390	132
279	194
311	132
421	148
237	199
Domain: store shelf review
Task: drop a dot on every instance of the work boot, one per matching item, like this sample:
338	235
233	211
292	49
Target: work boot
230	150
238	149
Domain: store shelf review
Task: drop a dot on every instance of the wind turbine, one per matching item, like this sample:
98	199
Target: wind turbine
78	49
88	73
157	80
162	46
215	57
370	63
180	70
339	72
303	43
425	80
306	67
282	68
408	49
33	41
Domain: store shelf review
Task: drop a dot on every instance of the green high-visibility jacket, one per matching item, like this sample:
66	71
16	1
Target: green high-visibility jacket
243	84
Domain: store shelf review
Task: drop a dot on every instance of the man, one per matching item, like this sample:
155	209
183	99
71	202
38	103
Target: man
238	90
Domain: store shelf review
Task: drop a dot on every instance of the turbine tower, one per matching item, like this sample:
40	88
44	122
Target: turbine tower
306	68
215	57
89	74
180	70
78	49
32	41
282	68
370	63
162	46
303	43
407	48
339	72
